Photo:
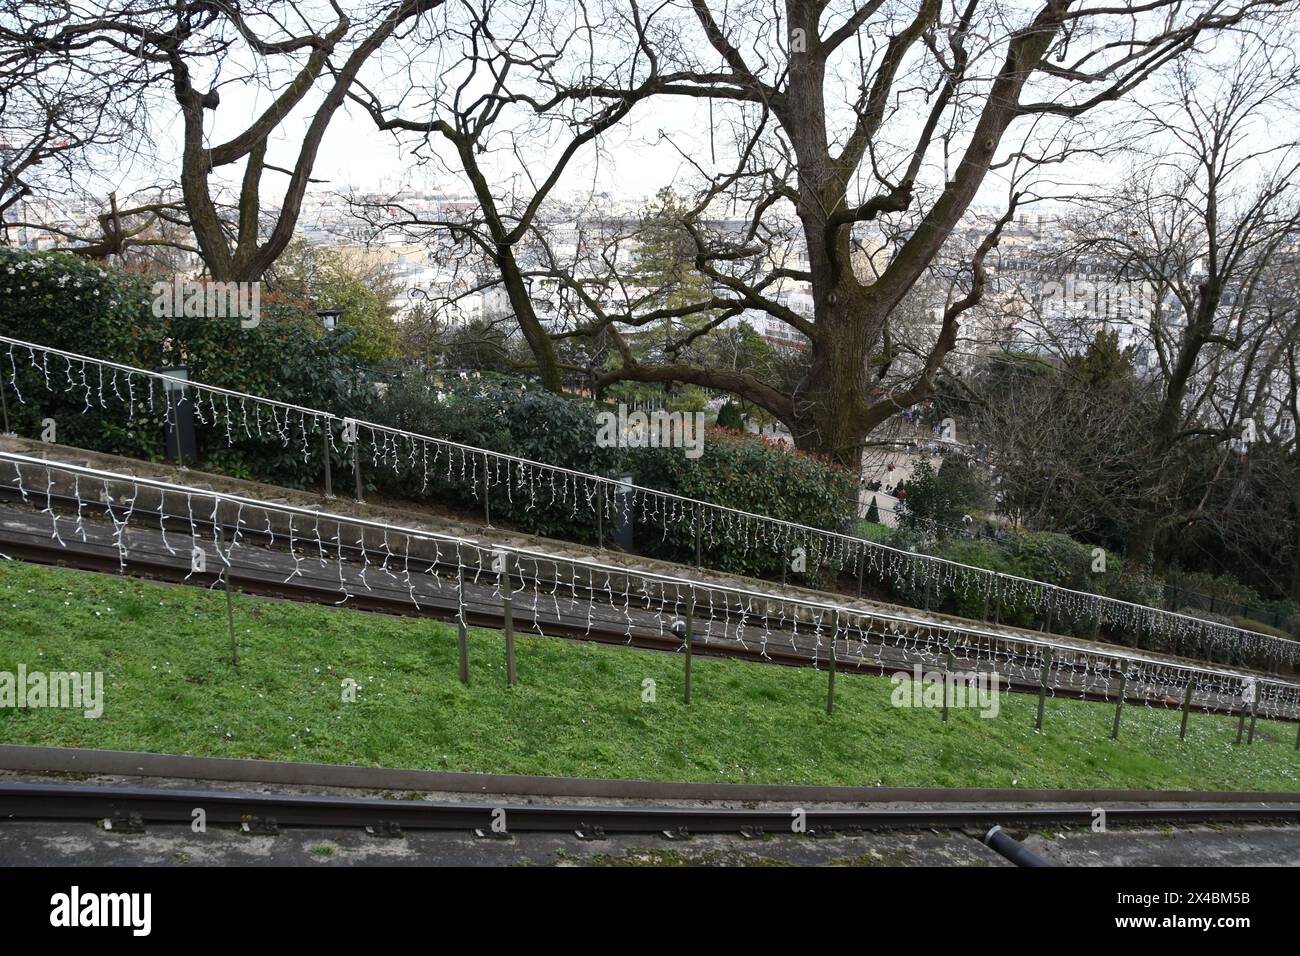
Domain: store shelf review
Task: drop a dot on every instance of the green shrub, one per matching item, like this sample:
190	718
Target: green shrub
738	471
1054	558
1206	616
969	601
1250	624
504	416
873	512
729	417
937	501
759	476
66	302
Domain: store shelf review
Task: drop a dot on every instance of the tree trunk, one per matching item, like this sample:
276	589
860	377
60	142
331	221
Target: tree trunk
829	410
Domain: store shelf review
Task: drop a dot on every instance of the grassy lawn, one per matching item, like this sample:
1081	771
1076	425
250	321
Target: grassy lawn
578	709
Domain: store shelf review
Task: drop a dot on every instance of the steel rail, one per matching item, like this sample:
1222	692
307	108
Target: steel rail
862	544
70	801
596	567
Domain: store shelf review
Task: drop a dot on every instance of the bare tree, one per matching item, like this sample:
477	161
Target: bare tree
523	76
58	120
860	134
203	48
1202	227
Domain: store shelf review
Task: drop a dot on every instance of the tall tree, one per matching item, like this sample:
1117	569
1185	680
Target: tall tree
858	135
304	56
1203	227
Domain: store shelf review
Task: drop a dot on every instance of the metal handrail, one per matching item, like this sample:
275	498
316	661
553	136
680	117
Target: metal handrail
862	544
741	594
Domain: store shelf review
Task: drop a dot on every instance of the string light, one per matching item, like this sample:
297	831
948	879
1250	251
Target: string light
754	537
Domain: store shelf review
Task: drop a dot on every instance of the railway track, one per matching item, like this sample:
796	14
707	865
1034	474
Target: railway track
141	806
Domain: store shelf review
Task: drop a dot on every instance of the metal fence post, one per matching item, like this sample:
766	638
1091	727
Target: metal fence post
462	634
1187	707
230	619
947	684
699	536
830	681
1241	721
225	580
600	515
1119	705
356	467
1042	688
487	505
690	640
329	476
506	583
1250	737
4	406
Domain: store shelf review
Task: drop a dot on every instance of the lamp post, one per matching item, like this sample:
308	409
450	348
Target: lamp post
330	318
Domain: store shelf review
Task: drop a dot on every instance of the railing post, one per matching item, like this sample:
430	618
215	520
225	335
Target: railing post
230	619
487	505
1042	688
830	681
1254	710
690	640
360	495
1187	707
862	567
1119	704
4	407
600	515
1241	721
506	583
462	633
325	447
699	536
225	580
947	683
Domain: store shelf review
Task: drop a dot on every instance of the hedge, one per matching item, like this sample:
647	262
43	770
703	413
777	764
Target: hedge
503	416
736	470
66	302
751	474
